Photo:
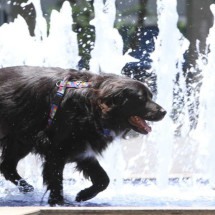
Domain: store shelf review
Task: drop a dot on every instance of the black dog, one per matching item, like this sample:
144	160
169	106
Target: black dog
87	112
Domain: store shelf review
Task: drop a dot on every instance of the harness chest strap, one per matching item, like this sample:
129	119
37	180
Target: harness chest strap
62	86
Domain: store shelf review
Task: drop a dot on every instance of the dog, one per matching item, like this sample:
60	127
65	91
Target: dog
66	116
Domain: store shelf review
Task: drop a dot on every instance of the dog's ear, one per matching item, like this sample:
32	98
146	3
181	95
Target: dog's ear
117	98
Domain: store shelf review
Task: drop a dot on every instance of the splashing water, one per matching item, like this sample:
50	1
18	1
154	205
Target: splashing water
19	48
168	59
157	152
204	132
113	45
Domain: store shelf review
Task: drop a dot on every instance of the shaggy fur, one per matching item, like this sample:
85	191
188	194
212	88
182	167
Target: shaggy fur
113	103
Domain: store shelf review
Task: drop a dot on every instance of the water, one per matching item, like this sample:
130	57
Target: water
160	155
169	54
205	126
19	48
183	194
113	45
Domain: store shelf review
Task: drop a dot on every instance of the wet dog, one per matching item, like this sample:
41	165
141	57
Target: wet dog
67	116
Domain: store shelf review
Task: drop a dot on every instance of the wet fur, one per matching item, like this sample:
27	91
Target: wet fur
77	135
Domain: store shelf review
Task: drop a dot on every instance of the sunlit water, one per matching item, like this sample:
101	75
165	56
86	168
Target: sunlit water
16	47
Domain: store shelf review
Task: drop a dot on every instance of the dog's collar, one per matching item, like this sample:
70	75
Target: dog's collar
62	86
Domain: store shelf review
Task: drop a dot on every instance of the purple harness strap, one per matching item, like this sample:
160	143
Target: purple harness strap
62	86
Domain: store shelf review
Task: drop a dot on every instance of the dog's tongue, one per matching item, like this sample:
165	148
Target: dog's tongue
140	124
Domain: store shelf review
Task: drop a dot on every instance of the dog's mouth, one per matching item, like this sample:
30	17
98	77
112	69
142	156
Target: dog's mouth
139	124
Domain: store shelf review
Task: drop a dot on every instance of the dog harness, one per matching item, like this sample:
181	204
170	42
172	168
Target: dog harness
62	86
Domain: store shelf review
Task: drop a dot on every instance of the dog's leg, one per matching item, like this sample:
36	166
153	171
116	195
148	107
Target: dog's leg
92	169
53	178
12	152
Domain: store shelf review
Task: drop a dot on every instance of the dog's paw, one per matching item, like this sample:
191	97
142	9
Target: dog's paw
56	200
81	196
85	195
24	187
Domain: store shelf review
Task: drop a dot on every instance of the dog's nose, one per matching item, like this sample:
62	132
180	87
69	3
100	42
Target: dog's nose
163	112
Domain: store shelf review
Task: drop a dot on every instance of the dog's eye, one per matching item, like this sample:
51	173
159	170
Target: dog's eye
142	98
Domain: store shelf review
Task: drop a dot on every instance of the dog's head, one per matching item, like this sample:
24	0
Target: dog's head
128	104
